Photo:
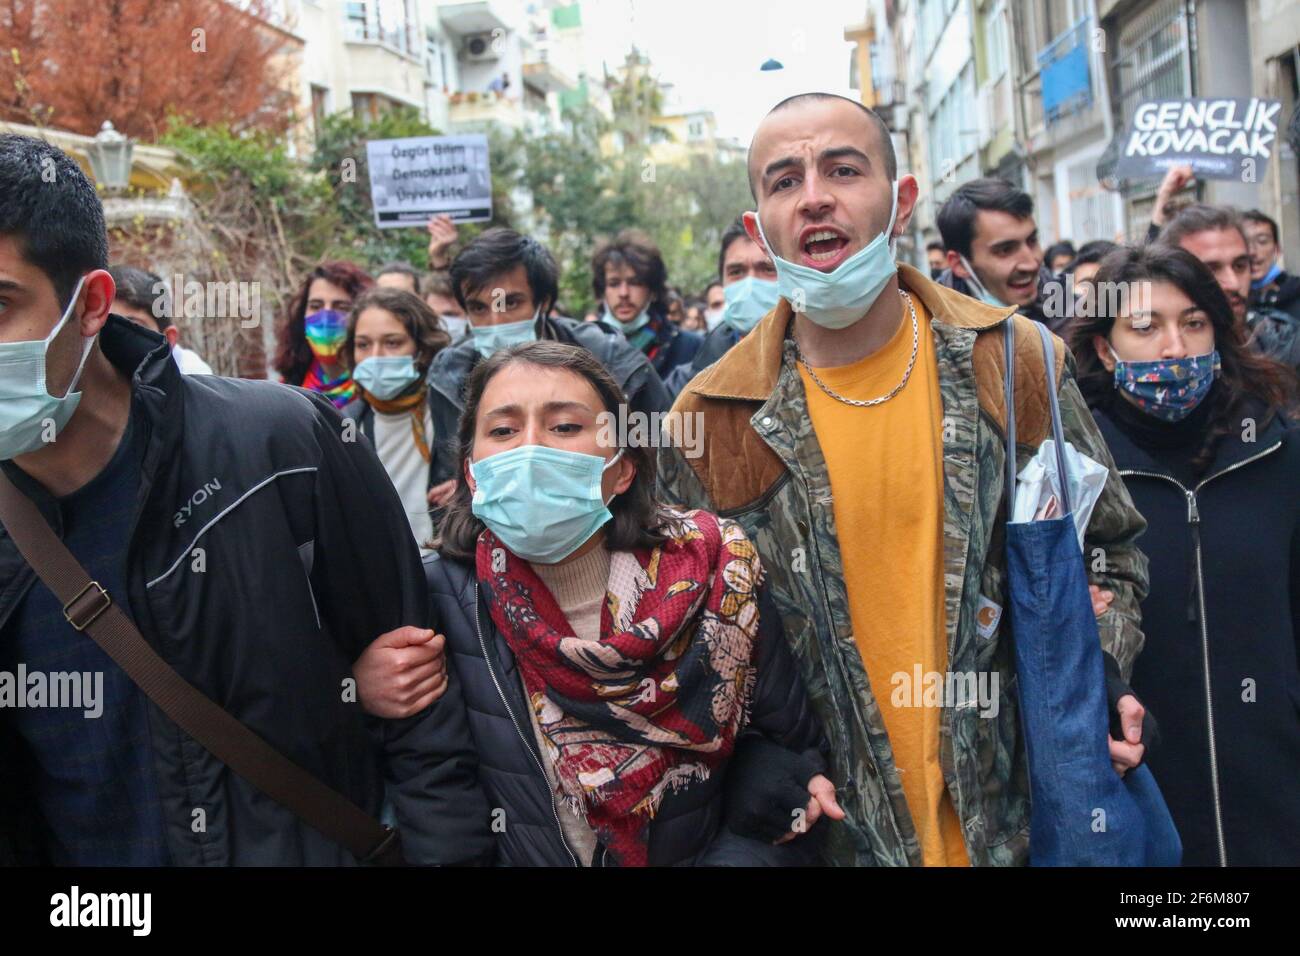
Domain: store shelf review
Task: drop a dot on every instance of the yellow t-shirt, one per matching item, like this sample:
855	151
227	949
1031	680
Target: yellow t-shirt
885	465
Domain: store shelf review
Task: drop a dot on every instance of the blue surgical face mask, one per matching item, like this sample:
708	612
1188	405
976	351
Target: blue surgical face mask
543	503
1168	389
493	338
837	299
977	286
633	324
386	376
1267	278
455	325
27	409
748	301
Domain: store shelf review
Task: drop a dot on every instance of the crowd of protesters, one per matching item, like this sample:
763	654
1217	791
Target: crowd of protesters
431	579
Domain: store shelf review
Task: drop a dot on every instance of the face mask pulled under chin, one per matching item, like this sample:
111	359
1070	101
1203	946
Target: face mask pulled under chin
839	298
30	417
977	286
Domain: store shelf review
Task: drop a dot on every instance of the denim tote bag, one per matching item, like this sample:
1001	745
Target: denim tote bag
1082	812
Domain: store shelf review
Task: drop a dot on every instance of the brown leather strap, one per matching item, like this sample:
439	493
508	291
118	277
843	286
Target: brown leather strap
91	610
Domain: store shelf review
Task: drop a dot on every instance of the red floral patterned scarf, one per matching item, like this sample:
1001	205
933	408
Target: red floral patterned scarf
658	700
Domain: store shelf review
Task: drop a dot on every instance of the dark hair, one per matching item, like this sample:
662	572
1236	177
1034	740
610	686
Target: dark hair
882	131
636	520
1245	373
401	269
632	248
716	282
421	323
497	251
729	235
437	283
934	245
1199	217
140	290
1063	248
293	355
1091	252
956	217
52	210
1254	215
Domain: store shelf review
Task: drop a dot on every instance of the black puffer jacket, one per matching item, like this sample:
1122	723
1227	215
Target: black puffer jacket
688	830
308	558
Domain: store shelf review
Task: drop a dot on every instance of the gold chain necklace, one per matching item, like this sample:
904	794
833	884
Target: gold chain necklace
916	339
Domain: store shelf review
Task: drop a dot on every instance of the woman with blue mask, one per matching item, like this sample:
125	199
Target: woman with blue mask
392	336
1199	428
625	679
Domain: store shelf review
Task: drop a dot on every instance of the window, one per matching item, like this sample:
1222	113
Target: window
391	22
356	20
320	105
1152	61
953	136
368	107
433	61
996	42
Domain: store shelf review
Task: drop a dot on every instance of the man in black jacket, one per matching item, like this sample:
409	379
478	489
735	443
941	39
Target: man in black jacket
507	283
630	279
1270	284
739	258
257	552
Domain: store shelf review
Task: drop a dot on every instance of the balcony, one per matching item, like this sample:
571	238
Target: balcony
464	19
542	76
1065	73
482	109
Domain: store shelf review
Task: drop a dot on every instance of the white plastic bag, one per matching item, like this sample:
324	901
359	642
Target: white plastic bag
1038	486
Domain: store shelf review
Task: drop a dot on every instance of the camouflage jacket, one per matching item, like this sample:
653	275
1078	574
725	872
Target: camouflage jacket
759	462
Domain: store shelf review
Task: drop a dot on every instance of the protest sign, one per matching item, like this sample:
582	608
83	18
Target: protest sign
414	178
1219	138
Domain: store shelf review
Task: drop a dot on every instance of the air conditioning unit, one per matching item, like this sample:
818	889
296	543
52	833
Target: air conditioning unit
479	48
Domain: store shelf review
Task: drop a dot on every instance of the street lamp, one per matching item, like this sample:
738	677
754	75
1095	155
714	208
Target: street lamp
110	158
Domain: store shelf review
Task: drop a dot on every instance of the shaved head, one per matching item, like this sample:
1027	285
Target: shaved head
882	150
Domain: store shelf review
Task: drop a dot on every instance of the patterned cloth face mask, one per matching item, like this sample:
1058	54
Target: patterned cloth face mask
1168	389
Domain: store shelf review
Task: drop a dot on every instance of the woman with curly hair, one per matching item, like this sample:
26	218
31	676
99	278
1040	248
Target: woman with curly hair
392	336
310	339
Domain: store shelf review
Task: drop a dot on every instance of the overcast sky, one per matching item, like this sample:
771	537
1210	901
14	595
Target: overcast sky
710	50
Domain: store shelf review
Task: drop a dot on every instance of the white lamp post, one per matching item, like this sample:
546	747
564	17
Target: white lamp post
110	158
